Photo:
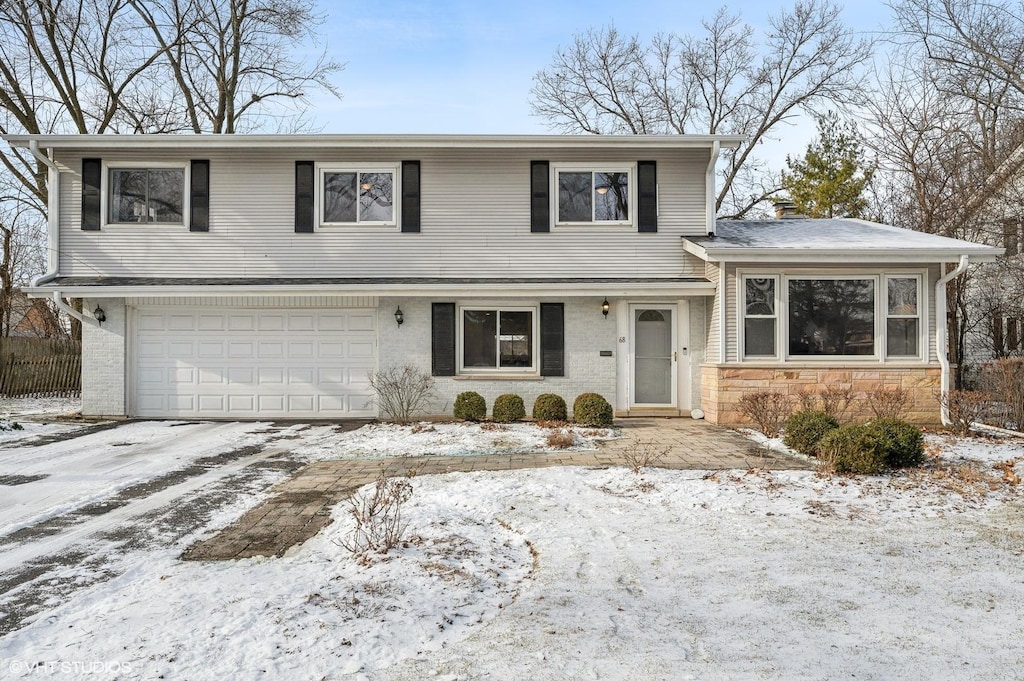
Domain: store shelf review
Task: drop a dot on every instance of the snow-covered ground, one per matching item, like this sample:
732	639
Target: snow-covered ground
591	574
27	418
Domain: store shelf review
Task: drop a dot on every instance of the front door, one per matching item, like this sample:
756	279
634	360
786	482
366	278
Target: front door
653	355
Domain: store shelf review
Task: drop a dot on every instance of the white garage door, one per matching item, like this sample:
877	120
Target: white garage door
254	363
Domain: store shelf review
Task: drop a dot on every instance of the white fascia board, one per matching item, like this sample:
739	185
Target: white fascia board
612	289
298	141
830	256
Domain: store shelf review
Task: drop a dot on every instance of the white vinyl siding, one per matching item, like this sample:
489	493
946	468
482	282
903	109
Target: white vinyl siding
475	211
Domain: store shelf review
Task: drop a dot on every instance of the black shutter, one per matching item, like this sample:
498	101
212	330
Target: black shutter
442	339
304	187
552	339
199	197
540	202
92	174
647	196
410	196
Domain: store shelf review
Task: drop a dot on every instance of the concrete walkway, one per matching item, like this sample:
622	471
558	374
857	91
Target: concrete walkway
301	506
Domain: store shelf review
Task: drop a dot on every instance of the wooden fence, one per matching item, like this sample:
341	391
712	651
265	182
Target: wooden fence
40	369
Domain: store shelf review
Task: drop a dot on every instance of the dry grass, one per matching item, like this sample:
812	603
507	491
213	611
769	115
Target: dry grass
560	439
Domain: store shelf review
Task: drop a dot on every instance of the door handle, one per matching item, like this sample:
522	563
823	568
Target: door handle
675	356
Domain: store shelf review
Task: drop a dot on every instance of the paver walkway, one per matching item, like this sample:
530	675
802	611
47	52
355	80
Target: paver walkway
301	506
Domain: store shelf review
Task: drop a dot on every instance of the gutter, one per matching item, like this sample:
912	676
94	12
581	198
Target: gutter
709	187
942	334
52	209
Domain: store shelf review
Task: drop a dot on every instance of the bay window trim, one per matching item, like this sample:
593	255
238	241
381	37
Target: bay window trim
741	314
322	169
628	168
460	357
107	189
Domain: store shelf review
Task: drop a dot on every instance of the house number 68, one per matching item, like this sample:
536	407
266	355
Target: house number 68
622	339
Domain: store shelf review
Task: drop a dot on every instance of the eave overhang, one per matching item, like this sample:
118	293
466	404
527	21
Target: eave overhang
834	256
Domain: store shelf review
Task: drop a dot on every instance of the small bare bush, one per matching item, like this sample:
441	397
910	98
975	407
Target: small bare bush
888	403
378	517
561	439
965	407
767	409
639	455
402	392
1004	378
836	401
808	400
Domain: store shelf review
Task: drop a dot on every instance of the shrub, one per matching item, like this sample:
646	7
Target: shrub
402	392
1005	380
377	512
561	439
904	443
10	425
804	429
508	408
855	448
808	400
965	407
888	403
470	406
549	407
835	401
590	409
767	409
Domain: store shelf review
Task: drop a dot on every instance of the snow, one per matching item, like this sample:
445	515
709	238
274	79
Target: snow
588	573
36	417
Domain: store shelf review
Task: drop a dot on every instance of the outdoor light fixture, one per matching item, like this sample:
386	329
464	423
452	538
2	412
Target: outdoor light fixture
605	307
399	317
99	314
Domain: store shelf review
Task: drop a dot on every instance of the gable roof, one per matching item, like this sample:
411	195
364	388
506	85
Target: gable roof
829	240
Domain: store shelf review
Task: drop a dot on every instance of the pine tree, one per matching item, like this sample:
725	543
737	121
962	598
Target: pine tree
830	179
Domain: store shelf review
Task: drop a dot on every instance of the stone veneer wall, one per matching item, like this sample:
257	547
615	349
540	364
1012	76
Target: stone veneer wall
723	386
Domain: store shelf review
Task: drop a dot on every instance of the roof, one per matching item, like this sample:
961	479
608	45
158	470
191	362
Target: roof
292	141
829	240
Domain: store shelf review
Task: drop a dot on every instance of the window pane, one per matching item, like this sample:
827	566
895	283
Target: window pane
903	296
479	328
760	297
574	192
166	195
375	197
759	337
127	195
516	339
339	197
901	337
611	196
832	317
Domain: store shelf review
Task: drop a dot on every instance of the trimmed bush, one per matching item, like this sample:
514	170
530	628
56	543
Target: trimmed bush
855	448
804	429
904	443
508	408
549	407
590	409
767	409
470	406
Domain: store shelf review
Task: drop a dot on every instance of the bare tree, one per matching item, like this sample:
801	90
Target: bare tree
727	80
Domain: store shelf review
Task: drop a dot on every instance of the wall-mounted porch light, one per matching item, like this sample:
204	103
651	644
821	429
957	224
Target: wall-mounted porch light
99	315
399	317
605	307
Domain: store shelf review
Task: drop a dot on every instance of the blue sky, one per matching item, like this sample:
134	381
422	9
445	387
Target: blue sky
462	66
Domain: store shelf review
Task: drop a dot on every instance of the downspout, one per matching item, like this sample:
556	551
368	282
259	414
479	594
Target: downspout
942	335
58	300
709	188
723	306
52	225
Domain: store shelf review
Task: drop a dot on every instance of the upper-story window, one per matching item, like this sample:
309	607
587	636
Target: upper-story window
147	195
357	196
594	195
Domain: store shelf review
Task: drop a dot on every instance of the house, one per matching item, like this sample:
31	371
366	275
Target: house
266	276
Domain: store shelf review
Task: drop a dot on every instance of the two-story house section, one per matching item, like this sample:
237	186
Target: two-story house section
266	276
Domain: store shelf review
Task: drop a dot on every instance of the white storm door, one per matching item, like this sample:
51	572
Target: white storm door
653	355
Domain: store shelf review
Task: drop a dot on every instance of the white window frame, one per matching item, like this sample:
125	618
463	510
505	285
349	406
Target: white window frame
534	309
107	186
880	279
396	193
742	316
629	168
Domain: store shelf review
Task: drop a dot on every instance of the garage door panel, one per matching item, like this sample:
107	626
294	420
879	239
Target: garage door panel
254	363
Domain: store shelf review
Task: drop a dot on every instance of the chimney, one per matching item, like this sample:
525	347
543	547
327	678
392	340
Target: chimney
786	210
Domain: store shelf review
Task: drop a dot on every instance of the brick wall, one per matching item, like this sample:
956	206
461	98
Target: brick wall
103	359
723	386
587	332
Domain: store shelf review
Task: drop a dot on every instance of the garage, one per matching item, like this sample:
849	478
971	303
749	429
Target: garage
258	363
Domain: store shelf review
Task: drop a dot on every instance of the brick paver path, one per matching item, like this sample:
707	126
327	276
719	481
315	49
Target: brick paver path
301	506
